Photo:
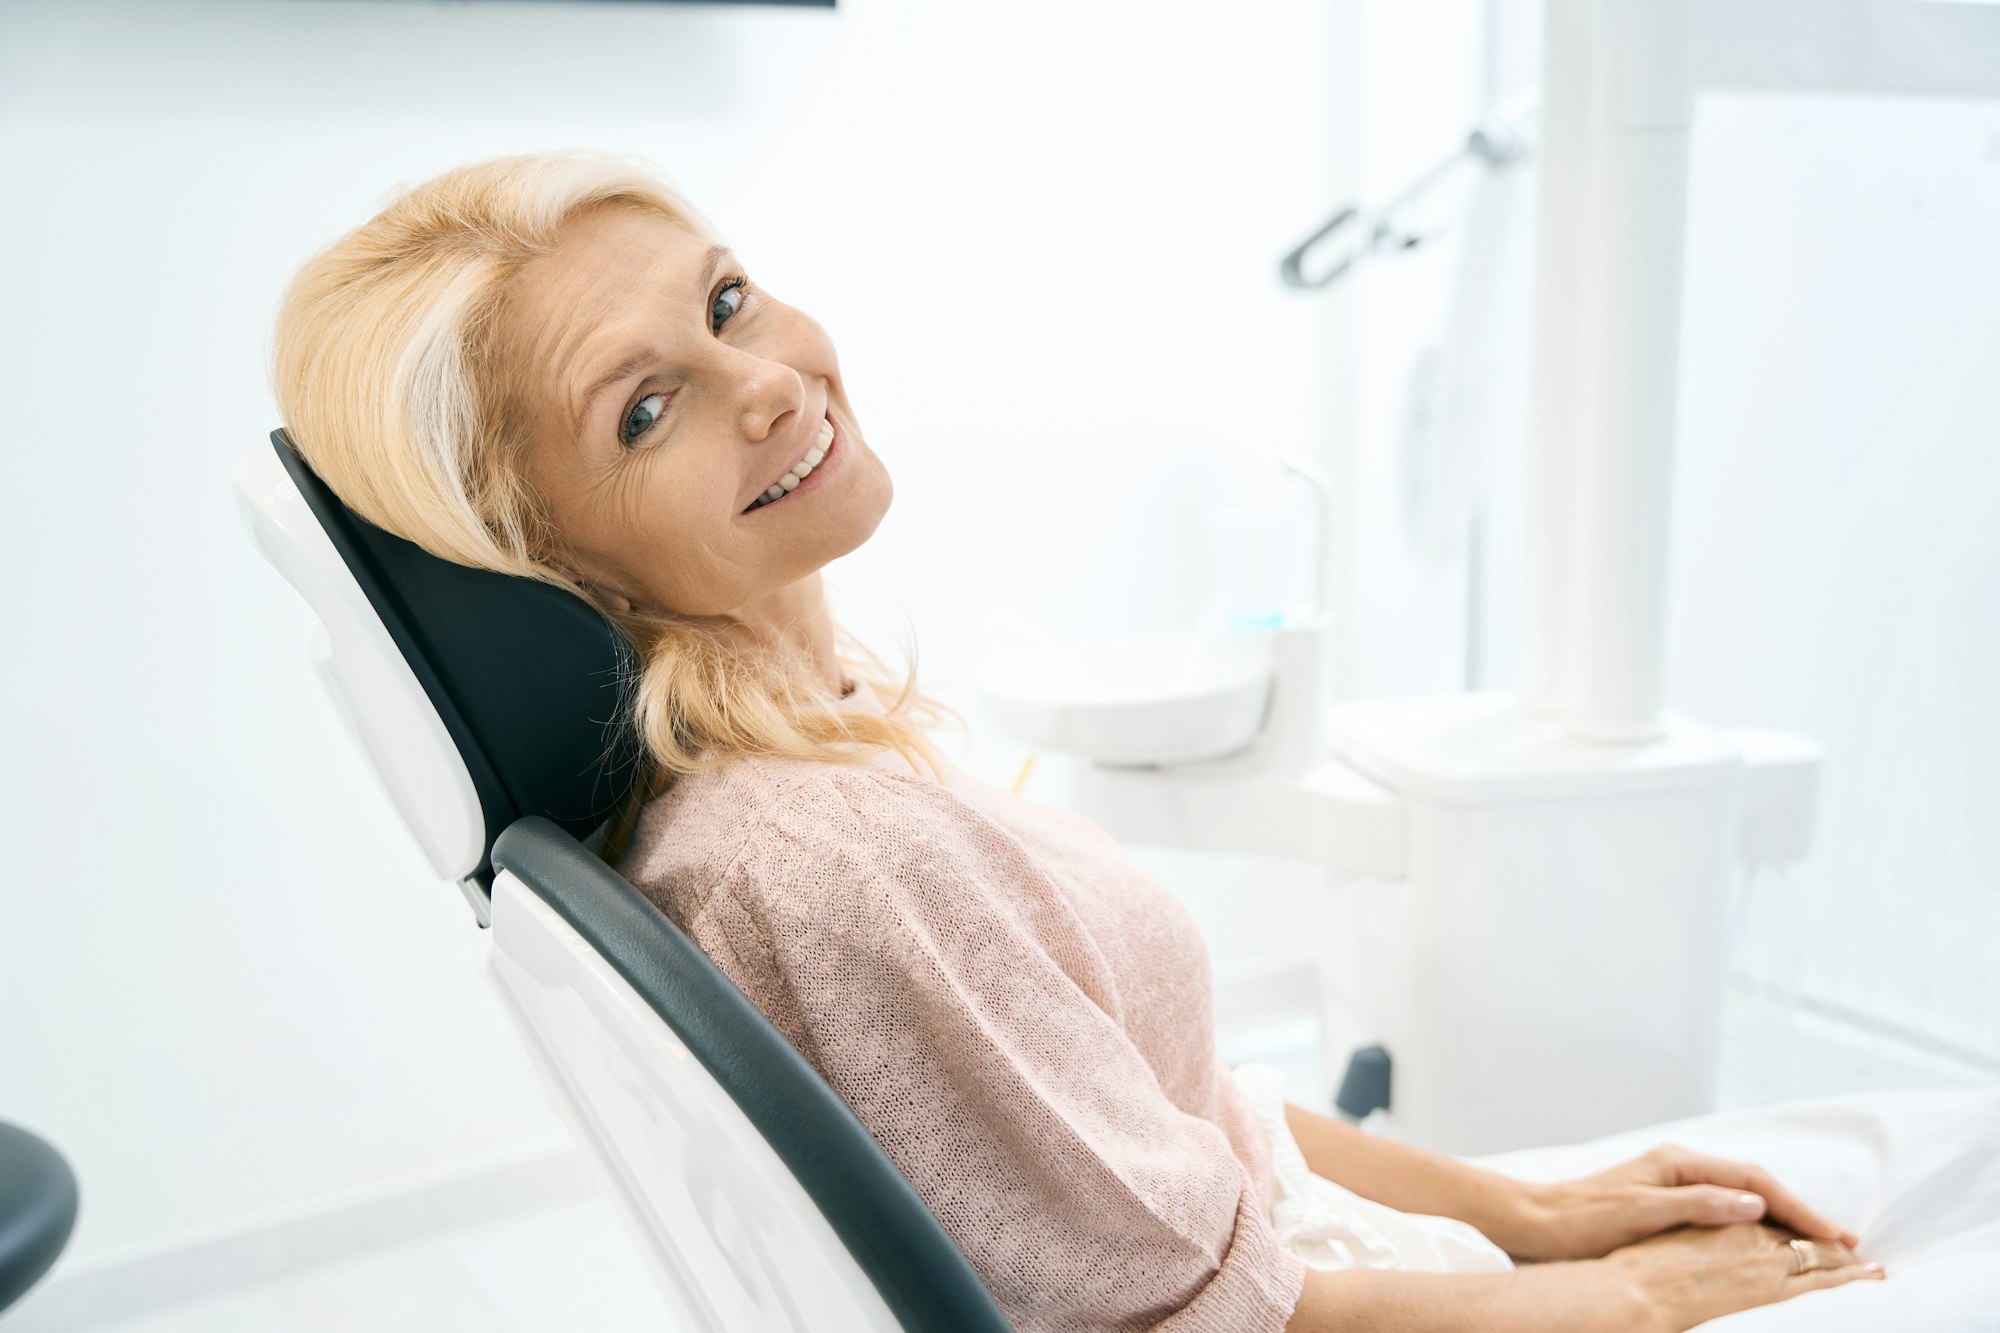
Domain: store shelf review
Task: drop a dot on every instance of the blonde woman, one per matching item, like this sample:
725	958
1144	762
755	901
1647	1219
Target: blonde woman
547	366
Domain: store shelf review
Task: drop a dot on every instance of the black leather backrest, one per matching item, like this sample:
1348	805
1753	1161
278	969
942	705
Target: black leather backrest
920	1272
526	676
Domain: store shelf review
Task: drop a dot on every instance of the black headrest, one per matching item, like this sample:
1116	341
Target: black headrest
525	676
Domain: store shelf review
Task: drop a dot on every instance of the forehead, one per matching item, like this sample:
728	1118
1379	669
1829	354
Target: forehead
613	267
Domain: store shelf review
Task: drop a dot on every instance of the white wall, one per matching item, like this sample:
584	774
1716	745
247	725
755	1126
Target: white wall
1836	550
1043	235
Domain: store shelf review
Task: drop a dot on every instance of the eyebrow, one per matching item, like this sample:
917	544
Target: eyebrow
634	361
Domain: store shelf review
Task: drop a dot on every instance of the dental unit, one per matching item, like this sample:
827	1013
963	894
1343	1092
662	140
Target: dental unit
1553	861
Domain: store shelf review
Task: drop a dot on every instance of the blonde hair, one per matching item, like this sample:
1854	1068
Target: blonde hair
387	374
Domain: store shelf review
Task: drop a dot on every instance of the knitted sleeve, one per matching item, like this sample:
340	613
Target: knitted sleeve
938	979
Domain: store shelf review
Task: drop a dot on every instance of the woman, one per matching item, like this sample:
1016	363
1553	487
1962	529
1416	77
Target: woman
544	365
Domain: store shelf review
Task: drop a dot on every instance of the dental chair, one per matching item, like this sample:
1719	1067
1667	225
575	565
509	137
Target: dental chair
489	708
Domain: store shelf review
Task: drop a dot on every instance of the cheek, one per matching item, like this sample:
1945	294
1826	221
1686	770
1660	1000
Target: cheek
684	521
821	344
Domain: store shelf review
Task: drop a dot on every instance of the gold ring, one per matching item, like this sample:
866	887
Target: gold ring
1807	1256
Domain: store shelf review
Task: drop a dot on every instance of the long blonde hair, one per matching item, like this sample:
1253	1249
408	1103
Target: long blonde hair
385	370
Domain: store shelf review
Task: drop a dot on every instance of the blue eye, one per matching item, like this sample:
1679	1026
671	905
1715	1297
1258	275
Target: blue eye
642	417
733	287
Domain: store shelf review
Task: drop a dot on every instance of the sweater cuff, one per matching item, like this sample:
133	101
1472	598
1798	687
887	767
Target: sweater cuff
1256	1289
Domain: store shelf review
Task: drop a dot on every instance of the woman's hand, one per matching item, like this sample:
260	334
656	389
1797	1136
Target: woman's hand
1688	1276
1667	1187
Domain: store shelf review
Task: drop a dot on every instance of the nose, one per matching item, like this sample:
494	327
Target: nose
768	392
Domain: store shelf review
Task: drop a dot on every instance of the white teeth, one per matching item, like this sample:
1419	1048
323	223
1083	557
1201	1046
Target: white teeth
804	467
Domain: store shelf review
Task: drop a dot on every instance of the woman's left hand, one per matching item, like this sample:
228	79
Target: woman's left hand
1667	1187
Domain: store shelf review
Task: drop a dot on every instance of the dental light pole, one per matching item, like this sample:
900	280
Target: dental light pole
1607	336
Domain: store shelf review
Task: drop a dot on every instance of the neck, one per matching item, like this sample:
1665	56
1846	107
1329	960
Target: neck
796	617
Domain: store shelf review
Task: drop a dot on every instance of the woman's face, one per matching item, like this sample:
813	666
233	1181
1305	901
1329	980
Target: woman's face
664	394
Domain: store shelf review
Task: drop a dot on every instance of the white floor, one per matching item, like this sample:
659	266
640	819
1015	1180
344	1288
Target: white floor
569	1268
564	1269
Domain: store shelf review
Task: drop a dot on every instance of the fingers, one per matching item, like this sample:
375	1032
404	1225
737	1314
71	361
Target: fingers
1703	1205
1833	1264
1780	1204
1815	1279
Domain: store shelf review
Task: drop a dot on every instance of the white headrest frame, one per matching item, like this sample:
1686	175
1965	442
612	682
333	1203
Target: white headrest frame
385	708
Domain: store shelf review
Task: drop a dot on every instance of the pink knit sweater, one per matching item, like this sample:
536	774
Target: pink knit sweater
1018	1014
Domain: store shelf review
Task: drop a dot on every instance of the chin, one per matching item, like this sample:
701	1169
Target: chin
870	504
858	534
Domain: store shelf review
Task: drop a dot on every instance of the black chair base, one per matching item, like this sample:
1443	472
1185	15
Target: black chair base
37	1210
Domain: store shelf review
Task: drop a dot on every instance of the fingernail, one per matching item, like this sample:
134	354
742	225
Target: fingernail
1871	1268
1749	1205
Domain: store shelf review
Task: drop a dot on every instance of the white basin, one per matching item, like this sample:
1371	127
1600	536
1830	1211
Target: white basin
1133	698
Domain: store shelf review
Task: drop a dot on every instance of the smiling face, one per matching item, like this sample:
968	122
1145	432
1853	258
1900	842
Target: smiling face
663	394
